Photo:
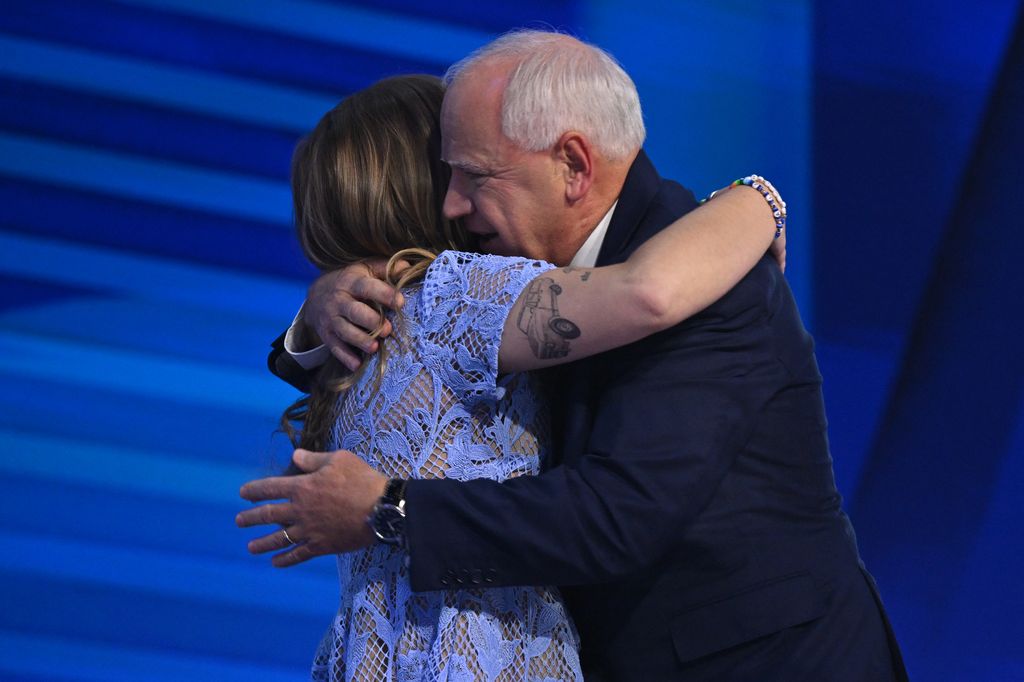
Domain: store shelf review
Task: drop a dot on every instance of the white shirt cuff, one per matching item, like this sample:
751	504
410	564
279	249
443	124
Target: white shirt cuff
308	359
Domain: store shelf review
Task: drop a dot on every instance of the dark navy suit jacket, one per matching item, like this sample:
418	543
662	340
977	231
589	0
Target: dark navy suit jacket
689	512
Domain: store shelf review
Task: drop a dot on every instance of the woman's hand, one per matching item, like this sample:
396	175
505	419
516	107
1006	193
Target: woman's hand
778	249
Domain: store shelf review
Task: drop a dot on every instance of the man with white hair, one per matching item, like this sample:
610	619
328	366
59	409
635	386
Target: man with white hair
691	515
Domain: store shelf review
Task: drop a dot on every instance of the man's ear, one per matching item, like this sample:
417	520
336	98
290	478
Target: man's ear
577	158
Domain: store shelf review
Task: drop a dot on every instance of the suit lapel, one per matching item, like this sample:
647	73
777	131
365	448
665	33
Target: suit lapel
573	404
639	189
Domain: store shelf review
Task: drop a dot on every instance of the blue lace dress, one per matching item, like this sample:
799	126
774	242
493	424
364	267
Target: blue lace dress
442	411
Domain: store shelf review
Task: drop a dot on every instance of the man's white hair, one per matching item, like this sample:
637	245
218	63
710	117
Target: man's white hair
560	84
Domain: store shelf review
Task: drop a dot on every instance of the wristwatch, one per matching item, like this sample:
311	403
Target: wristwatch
387	520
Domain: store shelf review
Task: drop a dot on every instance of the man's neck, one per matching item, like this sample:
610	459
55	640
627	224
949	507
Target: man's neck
586	256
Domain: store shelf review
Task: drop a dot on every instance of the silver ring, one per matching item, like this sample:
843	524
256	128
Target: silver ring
288	538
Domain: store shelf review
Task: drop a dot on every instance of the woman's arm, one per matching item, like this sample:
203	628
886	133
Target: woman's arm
569	314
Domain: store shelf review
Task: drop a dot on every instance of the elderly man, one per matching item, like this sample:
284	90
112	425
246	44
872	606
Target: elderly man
691	516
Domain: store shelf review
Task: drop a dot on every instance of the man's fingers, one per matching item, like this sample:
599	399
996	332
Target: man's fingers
348	354
279	514
383	329
273	488
377	291
360	314
345	356
343	331
296	555
272	542
378	267
310	461
401	265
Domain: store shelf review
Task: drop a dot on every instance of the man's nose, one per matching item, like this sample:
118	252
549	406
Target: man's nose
456	203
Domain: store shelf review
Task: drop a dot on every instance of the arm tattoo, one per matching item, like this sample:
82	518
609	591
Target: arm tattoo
584	275
548	333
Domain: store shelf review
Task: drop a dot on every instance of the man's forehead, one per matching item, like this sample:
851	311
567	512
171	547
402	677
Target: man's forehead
479	86
471	121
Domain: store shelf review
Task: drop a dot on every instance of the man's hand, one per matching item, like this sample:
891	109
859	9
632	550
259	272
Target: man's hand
323	510
337	310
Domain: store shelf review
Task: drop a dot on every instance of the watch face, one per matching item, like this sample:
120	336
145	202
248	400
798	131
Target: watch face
388	523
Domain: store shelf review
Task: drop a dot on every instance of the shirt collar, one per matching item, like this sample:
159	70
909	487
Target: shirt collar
586	257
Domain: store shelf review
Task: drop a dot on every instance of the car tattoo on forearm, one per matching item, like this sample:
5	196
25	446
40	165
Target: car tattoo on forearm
548	333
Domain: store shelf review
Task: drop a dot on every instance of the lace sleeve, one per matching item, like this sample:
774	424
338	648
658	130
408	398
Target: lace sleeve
466	298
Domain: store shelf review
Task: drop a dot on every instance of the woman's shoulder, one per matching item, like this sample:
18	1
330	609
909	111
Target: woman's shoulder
466	271
472	286
469	259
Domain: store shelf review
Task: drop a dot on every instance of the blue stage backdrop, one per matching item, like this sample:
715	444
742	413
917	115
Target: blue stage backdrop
146	261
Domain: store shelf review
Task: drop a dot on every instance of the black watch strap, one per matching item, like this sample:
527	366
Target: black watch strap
394	491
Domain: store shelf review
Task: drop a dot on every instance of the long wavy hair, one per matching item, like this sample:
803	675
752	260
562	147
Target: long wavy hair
368	182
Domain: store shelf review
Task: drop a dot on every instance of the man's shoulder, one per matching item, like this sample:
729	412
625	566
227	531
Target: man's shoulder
673	199
668	202
667	199
647	203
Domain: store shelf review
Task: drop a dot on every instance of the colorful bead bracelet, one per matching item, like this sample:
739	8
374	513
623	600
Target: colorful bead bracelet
770	194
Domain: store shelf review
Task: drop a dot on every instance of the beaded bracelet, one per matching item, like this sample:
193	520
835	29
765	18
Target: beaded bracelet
770	194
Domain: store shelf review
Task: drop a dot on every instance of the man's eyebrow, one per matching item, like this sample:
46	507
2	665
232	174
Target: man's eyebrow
467	166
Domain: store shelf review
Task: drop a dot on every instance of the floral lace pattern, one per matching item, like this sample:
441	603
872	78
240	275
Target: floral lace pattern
442	411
